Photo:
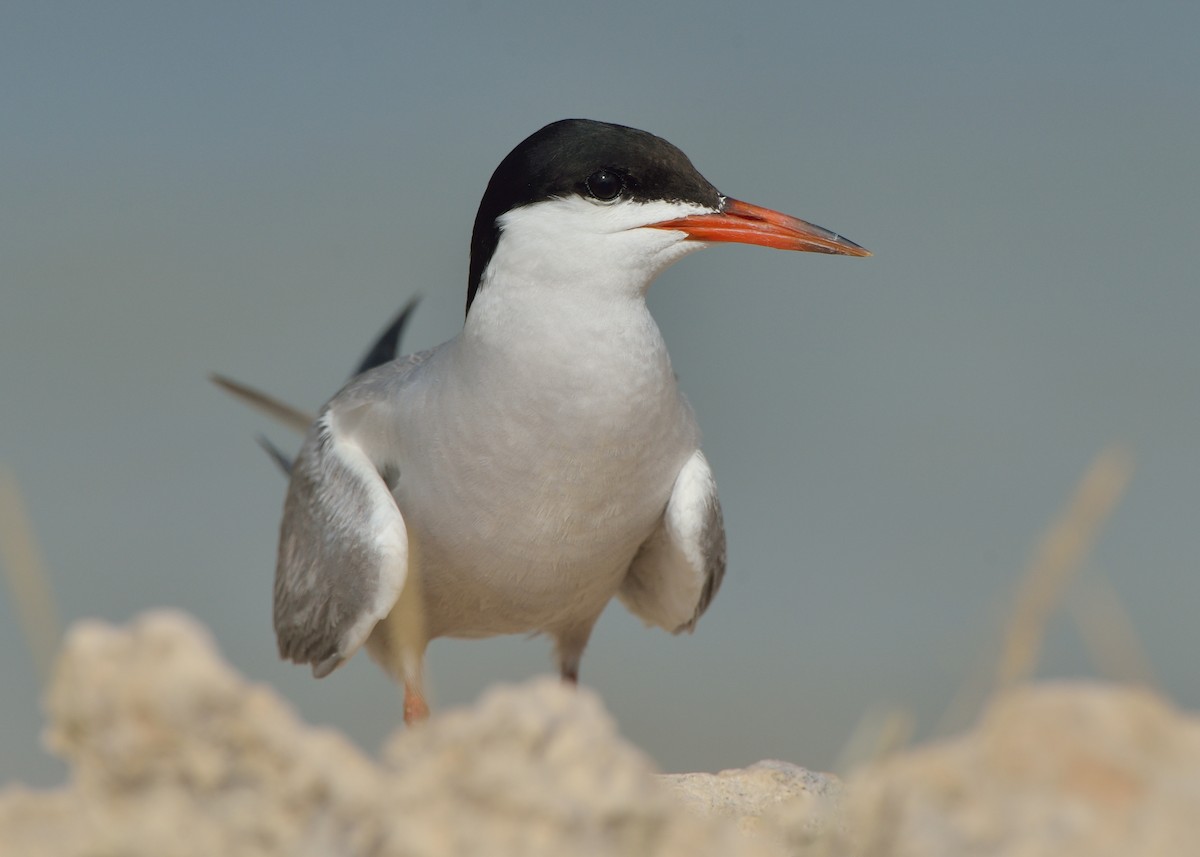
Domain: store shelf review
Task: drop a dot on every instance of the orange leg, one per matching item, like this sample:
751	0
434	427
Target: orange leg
415	707
570	648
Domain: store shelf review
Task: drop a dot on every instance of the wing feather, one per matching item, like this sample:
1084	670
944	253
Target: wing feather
343	550
679	568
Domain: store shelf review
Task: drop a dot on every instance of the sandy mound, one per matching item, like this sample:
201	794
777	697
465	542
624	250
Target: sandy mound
172	753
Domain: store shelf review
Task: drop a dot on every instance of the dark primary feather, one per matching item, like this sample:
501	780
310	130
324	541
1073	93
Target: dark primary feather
277	454
387	346
384	350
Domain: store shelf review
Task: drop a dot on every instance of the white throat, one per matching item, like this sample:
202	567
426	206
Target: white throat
561	315
583	249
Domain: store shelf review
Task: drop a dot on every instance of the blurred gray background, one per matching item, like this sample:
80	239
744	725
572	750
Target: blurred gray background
256	188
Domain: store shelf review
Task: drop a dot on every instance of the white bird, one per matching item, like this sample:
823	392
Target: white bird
517	477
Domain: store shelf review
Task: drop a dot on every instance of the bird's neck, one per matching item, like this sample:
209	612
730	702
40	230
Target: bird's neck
593	348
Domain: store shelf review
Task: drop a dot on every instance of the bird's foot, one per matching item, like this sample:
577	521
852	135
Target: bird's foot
415	707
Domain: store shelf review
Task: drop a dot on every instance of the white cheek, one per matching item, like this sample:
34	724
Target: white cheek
573	240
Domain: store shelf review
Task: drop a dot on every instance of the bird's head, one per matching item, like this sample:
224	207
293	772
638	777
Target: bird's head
584	202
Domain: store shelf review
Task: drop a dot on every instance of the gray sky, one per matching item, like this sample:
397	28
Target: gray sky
255	189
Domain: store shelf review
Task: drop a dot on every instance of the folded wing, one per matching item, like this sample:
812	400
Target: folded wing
679	568
343	549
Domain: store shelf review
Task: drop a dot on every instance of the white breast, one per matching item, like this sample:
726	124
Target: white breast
538	464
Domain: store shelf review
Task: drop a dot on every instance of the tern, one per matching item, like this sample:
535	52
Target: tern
519	476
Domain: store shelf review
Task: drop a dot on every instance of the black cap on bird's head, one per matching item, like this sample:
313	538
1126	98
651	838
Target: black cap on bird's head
605	161
581	156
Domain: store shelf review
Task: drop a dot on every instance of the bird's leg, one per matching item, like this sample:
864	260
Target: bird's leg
415	707
570	645
398	645
410	671
407	637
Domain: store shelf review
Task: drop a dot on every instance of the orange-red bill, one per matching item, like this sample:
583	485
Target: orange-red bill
743	223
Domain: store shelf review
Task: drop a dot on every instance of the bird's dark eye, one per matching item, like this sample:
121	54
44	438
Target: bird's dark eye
605	184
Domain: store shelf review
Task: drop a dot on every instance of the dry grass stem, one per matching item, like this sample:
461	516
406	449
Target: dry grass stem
973	690
1057	559
25	570
879	733
1109	634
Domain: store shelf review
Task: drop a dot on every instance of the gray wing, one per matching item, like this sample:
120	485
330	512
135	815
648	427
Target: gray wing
343	546
678	570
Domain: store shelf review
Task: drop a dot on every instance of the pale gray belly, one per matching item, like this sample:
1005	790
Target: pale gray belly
537	538
528	488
